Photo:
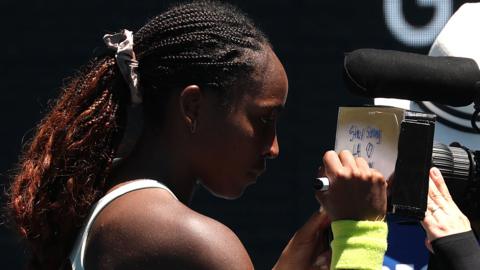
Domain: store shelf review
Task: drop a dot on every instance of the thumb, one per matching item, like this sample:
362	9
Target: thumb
428	245
323	261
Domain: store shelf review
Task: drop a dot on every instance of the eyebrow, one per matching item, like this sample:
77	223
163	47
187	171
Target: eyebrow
278	108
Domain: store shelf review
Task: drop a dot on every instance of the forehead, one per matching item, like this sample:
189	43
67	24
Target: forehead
272	83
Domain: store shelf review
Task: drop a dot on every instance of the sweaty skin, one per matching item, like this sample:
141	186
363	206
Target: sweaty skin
148	228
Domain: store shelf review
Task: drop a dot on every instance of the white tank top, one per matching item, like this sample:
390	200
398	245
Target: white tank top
78	251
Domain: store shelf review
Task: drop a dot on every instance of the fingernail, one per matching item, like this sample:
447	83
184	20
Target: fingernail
320	261
435	172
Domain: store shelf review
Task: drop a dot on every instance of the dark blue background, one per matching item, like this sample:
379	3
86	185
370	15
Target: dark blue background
43	42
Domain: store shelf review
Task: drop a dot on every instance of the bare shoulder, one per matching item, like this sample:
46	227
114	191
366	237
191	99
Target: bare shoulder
148	228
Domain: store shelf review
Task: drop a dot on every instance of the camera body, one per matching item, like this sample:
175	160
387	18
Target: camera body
399	144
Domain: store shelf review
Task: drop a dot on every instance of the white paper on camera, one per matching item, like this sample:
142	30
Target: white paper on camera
371	133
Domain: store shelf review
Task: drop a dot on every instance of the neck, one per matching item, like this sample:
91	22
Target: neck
154	158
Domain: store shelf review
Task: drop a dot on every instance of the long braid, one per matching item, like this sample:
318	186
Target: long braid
64	169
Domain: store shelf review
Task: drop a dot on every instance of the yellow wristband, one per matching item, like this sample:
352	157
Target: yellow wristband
358	244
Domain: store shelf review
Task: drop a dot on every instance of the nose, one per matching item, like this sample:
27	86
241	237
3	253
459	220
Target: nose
272	150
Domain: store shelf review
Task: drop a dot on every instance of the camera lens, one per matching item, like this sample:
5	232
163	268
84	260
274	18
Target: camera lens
458	165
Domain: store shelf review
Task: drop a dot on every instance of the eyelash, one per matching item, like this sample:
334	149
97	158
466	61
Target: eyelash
268	119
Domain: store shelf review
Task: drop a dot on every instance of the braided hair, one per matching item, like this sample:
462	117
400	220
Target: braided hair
64	168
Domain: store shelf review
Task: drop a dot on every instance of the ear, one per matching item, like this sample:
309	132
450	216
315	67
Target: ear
191	98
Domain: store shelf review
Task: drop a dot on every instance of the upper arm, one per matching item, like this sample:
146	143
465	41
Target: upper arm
211	245
153	234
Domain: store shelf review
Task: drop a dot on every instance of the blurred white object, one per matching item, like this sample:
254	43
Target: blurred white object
415	35
460	36
394	102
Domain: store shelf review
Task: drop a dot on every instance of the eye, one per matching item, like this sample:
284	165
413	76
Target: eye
267	116
269	119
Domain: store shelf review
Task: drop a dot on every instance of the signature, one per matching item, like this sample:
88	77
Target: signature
359	134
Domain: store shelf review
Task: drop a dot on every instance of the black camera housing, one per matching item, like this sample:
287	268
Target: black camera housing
408	188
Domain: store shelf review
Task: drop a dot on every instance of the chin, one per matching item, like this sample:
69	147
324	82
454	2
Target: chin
230	193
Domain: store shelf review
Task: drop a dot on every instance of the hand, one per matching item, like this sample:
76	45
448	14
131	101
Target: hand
442	217
308	248
356	191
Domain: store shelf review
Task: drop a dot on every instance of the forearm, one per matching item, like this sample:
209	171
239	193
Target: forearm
457	251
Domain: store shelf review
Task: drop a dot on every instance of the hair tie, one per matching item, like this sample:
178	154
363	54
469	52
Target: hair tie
122	43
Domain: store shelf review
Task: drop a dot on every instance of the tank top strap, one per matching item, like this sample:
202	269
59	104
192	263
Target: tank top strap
78	251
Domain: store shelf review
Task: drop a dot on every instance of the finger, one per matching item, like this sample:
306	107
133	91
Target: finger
323	260
428	245
348	160
440	184
431	205
331	163
377	175
435	195
427	223
431	225
435	213
362	164
390	183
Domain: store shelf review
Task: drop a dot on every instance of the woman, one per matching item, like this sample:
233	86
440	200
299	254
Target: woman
211	89
450	237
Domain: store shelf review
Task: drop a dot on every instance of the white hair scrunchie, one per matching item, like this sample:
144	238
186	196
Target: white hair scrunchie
122	43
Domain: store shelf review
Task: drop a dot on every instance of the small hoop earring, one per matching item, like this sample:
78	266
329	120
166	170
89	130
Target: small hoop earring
193	127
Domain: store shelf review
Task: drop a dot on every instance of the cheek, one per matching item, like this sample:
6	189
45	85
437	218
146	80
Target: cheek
228	158
238	141
227	143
